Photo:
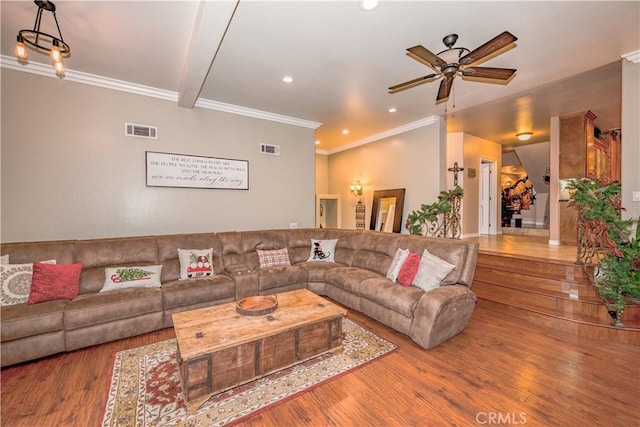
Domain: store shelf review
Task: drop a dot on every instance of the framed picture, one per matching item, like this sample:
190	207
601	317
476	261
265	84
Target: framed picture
186	171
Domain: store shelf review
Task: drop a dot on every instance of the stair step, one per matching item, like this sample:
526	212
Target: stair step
532	266
592	311
543	291
573	327
551	286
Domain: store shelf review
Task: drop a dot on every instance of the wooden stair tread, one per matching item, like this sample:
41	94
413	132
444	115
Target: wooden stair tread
546	310
538	289
540	285
532	266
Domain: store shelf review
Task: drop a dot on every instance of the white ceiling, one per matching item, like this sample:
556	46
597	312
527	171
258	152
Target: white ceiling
343	58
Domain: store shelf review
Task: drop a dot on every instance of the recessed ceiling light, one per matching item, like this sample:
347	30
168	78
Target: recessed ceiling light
392	110
287	79
345	131
523	136
317	142
369	4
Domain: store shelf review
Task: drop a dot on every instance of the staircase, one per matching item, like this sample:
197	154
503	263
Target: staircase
551	293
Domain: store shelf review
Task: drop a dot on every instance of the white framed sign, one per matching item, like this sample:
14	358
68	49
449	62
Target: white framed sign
186	171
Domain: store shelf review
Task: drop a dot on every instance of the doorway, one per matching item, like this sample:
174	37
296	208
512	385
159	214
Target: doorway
487	185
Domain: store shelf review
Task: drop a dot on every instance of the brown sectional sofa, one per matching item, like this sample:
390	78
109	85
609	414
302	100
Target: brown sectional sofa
356	279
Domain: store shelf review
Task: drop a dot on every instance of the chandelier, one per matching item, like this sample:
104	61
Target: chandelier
43	42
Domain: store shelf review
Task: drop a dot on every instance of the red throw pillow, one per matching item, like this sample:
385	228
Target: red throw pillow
54	281
409	269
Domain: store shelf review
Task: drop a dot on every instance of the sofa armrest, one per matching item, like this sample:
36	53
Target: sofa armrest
442	313
232	269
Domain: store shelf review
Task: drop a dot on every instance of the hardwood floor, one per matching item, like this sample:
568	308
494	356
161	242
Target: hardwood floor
500	370
533	246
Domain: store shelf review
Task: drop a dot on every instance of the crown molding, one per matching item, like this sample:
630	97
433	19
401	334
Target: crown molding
632	56
245	111
45	70
322	152
386	134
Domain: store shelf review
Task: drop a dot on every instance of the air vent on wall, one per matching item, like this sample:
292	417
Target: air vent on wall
141	131
270	149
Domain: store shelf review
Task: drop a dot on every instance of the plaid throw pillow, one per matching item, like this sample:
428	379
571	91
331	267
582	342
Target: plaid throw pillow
273	258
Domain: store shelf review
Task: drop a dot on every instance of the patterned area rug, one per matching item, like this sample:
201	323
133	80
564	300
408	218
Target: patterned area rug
145	387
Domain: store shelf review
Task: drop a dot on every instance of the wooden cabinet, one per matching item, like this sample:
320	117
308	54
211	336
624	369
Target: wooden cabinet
577	145
582	155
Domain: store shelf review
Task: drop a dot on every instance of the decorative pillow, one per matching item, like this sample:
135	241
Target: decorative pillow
409	269
431	271
16	282
4	259
396	264
195	263
51	282
147	276
273	257
323	250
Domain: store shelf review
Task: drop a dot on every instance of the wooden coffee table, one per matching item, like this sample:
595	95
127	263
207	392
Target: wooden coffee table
219	349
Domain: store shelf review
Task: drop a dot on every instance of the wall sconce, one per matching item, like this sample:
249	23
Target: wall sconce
524	136
356	189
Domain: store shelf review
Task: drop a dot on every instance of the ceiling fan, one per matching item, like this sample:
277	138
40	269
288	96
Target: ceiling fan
456	61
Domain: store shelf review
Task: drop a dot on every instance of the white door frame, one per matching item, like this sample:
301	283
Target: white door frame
487	198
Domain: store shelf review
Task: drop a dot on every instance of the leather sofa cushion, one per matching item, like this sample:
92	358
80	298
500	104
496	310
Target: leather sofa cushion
104	252
377	252
182	293
450	251
266	240
316	270
97	254
168	252
24	320
391	295
348	278
276	277
299	243
20	253
349	242
95	308
231	242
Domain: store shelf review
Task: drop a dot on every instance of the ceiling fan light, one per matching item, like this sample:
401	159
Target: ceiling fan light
524	136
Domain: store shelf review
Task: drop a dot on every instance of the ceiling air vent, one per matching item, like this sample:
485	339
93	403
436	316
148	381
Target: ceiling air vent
270	149
141	131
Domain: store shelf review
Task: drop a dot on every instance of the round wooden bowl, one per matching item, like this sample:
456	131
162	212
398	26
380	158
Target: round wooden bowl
257	306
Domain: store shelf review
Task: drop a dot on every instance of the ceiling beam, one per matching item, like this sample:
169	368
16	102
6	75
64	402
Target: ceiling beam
212	21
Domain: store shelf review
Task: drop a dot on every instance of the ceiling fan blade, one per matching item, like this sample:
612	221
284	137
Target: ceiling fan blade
411	83
422	54
445	88
489	72
496	43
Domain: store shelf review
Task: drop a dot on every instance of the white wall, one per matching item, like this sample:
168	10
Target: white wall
630	137
412	160
69	172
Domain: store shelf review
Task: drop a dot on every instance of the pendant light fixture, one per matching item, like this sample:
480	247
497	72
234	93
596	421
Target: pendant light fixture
45	43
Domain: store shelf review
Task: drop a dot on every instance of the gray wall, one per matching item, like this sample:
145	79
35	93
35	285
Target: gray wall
68	170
